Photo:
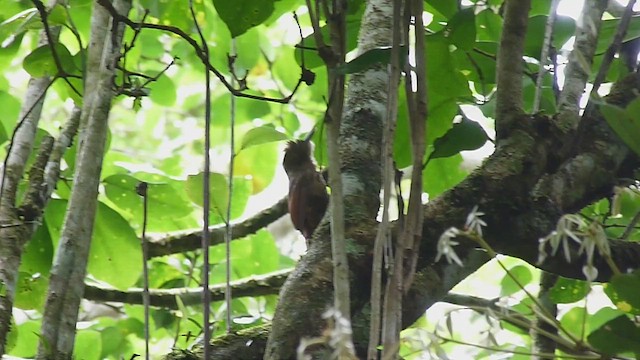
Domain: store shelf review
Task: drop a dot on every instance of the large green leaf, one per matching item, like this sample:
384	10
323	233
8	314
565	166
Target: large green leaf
567	291
610	27
625	123
31	292
563	29
166	201
26	344
88	345
19	23
442	174
260	135
10	106
447	87
616	336
624	292
488	26
38	253
522	276
253	255
465	135
163	91
445	7
41	61
113	341
219	194
114	244
241	15
461	29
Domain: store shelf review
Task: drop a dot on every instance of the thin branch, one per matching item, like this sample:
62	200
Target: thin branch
546	45
227	221
51	41
632	226
142	190
206	190
259	285
190	241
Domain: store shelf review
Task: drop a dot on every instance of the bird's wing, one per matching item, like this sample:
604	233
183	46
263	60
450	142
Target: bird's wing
297	204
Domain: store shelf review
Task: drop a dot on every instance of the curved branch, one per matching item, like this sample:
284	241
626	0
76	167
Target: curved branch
260	285
199	52
190	241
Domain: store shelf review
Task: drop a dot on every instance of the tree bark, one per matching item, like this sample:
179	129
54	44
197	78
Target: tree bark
66	284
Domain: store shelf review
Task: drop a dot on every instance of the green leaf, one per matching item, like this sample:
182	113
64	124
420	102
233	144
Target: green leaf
219	193
445	7
253	255
366	60
31	292
258	163
616	336
40	62
165	202
260	135
113	341
624	292
563	29
624	122
38	253
163	91
574	320
567	291
10	106
522	275
27	341
488	26
19	23
442	174
114	244
161	273
461	29
57	15
465	135
88	345
241	15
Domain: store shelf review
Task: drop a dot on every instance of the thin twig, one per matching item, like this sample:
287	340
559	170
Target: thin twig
632	225
611	52
206	295
142	189
227	222
201	52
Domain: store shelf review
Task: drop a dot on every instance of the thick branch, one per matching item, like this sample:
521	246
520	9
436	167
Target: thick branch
579	66
509	65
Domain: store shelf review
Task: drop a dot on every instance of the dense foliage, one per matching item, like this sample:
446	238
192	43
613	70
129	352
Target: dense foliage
155	136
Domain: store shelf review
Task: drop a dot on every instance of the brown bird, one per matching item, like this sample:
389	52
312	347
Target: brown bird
308	196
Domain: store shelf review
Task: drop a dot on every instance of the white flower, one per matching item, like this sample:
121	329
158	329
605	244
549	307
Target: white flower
446	244
590	272
474	223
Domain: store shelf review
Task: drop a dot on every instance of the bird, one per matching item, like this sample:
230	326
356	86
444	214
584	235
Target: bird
308	197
